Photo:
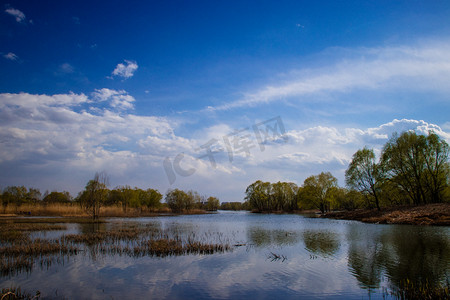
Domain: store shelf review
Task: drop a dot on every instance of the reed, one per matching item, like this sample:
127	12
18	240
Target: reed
16	294
19	252
36	248
408	289
41	209
78	220
13	265
16	232
74	210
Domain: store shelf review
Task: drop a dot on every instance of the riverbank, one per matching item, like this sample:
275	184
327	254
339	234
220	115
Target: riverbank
72	210
437	214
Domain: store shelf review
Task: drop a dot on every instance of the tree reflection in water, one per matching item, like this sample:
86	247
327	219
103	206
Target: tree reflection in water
322	243
261	237
399	253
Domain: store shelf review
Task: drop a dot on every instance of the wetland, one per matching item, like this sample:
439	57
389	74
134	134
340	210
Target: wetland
226	255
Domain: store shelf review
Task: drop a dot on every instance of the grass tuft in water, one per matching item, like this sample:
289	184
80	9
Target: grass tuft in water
17	294
408	289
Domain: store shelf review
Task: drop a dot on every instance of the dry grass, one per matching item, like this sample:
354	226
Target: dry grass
419	290
431	214
36	221
74	210
57	209
16	294
19	252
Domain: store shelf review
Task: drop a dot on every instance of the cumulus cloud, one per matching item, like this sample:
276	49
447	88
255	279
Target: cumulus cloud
329	144
11	56
59	141
421	67
20	16
125	70
117	99
52	133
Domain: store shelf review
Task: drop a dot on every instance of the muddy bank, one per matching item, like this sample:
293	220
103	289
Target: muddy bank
432	214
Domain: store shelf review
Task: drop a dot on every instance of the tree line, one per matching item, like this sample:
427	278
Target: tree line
96	194
412	169
19	195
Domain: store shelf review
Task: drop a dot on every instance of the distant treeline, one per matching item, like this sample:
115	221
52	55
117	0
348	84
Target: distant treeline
97	195
412	170
234	206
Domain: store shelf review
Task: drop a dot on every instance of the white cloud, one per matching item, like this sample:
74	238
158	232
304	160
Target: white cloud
125	70
11	56
316	149
327	144
59	143
423	67
42	134
20	16
117	99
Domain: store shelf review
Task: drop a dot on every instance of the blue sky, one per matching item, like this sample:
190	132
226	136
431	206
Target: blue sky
122	86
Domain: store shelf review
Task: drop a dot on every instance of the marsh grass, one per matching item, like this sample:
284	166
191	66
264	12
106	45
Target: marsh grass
17	294
74	210
10	266
16	232
20	252
56	220
148	240
408	289
57	209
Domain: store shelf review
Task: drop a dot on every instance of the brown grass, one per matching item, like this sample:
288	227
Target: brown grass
430	214
16	294
57	209
74	210
20	252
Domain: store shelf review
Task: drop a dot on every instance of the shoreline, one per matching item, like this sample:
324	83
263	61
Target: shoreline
116	214
436	214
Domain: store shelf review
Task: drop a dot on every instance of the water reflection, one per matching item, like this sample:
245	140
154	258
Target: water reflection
365	257
88	228
323	243
261	237
400	253
355	260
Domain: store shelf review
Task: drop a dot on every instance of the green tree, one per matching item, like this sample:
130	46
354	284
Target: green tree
212	203
95	194
338	198
418	166
258	195
194	200
404	162
316	191
115	197
16	195
177	200
57	197
150	198
283	196
34	195
437	167
365	175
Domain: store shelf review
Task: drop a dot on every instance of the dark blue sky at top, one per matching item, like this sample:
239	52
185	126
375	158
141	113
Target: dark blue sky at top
341	75
192	54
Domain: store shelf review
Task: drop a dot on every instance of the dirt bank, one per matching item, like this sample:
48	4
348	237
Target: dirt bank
432	214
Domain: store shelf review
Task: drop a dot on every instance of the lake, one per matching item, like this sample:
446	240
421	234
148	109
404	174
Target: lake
271	256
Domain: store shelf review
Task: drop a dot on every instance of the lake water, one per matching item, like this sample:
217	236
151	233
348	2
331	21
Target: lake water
274	256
